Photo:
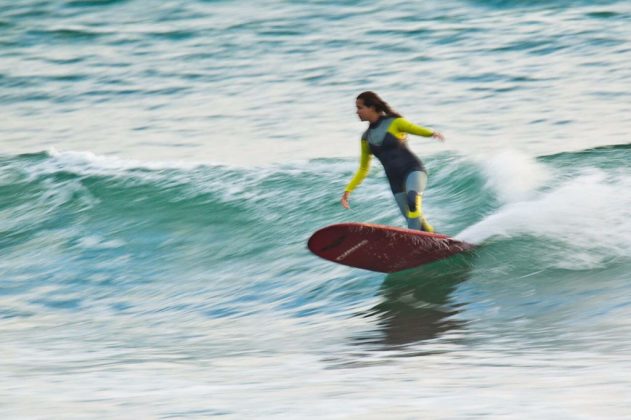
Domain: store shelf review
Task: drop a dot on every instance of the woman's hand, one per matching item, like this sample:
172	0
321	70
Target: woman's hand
438	136
345	200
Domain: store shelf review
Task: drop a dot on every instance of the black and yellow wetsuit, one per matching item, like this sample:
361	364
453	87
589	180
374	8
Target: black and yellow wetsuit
387	140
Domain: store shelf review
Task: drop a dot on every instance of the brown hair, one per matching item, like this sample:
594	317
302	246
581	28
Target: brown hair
372	100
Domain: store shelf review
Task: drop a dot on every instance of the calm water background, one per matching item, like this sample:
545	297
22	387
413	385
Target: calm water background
164	162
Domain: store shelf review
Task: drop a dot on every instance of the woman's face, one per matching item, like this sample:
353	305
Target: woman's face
366	113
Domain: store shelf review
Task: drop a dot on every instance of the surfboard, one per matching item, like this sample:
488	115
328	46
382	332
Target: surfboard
381	248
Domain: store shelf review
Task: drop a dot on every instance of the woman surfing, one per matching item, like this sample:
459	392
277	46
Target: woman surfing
386	138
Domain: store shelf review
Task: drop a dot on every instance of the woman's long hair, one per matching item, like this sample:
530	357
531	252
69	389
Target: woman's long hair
372	100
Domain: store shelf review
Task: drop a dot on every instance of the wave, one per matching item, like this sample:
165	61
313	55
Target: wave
159	240
577	203
542	4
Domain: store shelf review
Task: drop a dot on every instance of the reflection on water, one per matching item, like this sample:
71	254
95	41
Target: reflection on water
416	303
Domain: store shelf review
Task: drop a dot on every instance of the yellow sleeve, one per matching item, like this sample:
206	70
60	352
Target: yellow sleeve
401	125
364	166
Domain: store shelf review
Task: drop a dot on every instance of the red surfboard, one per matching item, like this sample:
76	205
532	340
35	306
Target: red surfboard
382	248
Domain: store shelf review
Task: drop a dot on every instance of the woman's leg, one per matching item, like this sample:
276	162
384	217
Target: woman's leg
411	201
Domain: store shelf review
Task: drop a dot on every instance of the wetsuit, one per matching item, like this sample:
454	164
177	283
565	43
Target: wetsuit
387	140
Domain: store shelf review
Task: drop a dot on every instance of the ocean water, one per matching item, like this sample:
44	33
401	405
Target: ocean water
163	164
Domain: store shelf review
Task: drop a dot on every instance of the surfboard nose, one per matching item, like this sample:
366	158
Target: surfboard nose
326	239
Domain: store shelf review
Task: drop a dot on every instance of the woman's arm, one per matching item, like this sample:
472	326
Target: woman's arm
360	175
404	126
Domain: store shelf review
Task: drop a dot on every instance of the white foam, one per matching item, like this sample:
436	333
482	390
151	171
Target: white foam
97	242
81	160
514	176
590	213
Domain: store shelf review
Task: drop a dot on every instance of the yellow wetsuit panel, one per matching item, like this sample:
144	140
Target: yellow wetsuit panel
400	126
364	166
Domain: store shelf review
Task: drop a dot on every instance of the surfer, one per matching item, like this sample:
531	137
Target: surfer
386	138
